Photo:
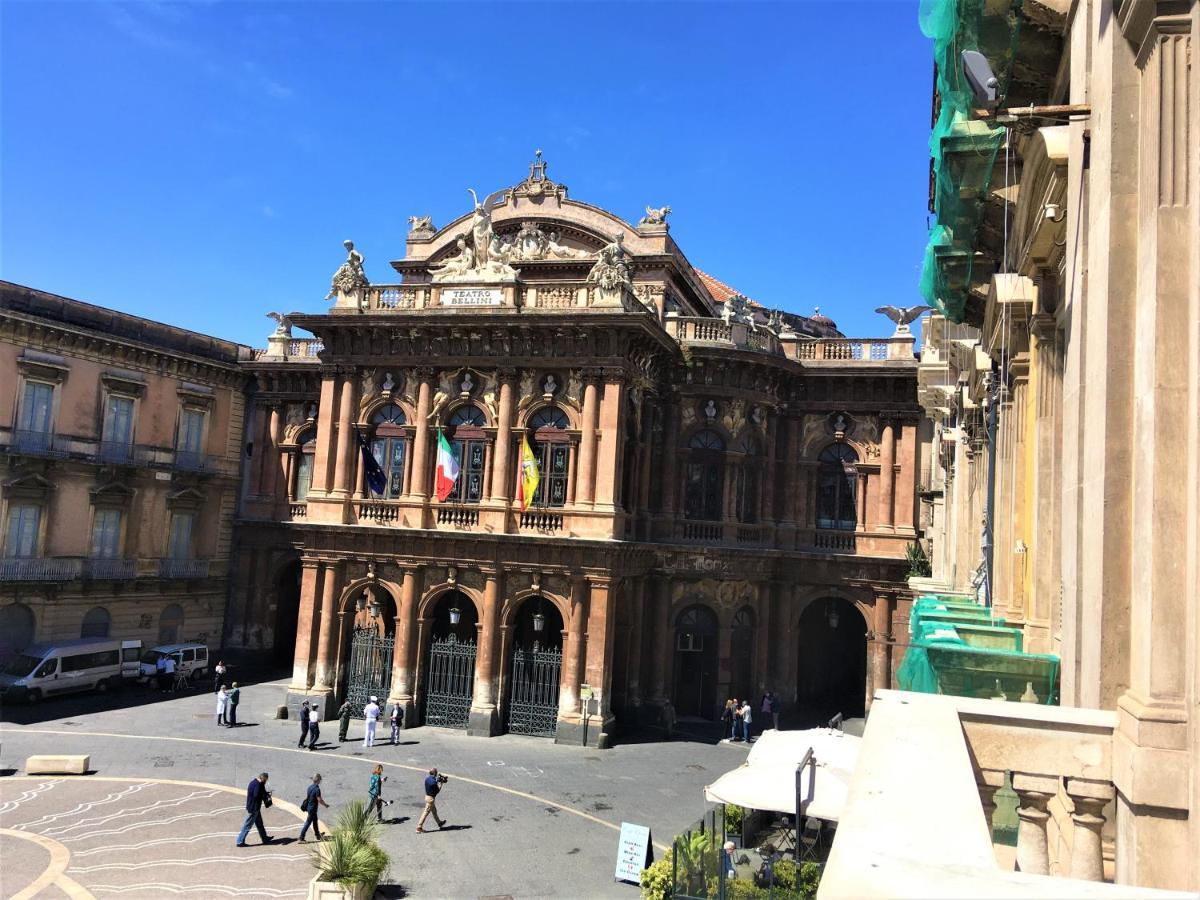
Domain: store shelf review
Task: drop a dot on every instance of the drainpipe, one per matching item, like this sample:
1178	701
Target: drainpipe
992	400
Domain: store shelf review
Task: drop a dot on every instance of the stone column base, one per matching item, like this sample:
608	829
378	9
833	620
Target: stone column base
592	731
483	722
322	696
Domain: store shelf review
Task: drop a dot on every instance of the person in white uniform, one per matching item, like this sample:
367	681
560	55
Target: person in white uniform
371	714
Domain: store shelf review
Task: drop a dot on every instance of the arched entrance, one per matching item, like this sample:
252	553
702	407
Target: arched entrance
696	662
372	643
741	655
17	627
287	613
832	669
535	666
450	661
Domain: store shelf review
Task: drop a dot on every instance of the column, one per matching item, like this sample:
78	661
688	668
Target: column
484	721
598	667
645	473
1033	793
670	459
268	458
767	496
586	475
878	647
346	444
762	662
862	501
637	636
573	469
887	474
420	464
402	656
1089	798
301	666
612	440
989	781
660	639
326	412
568	690
501	464
324	679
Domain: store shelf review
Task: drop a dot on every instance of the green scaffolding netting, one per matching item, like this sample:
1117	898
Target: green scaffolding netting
961	648
963	149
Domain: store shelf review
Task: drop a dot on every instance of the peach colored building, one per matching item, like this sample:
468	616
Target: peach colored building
121	446
726	493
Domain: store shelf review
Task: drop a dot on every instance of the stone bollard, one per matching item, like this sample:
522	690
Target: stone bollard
281	711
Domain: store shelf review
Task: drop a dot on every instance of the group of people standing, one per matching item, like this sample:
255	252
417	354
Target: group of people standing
310	722
227	704
737	718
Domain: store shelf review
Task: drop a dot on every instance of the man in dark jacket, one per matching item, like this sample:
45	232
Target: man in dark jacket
303	723
256	796
235	697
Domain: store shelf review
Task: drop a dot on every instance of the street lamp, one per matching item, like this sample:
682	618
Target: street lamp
539	620
455	615
374	607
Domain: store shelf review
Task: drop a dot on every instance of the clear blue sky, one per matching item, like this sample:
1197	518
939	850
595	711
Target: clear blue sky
201	163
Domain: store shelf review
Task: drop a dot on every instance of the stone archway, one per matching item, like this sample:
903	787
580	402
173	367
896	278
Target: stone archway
695	684
448	672
534	667
368	643
832	665
287	613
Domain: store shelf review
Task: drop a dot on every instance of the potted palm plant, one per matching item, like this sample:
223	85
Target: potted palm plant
349	862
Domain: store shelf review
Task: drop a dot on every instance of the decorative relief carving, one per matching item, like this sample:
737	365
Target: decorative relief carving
537	185
649	294
687	415
487	256
611	271
736	308
487	393
369	388
574	390
735	416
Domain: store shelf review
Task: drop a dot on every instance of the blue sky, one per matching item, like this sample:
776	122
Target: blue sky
201	163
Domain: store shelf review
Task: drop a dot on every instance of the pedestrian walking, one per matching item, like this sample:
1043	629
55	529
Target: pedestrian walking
727	719
344	719
375	792
257	796
304	709
433	787
235	697
776	706
747	720
371	714
218	675
397	721
312	799
314	726
222	705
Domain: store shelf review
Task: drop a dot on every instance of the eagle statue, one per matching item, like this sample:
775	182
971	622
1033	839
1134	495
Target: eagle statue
903	317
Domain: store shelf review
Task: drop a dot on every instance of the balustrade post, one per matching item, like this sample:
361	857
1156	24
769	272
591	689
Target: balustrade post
1033	793
1090	798
989	781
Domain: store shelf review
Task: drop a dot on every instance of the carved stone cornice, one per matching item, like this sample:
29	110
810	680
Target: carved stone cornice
1143	22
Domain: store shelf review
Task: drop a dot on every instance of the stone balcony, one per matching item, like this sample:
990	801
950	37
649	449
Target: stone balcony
711	332
917	819
76	568
17	442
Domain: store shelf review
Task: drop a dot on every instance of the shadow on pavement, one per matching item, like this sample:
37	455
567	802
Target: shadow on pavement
390	891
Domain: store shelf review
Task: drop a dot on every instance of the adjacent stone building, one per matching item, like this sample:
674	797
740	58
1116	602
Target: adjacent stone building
122	445
726	493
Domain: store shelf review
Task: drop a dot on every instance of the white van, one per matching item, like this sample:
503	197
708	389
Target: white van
190	659
131	659
46	669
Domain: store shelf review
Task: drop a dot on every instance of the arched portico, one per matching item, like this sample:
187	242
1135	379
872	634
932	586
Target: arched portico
448	635
367	615
531	646
695	662
832	661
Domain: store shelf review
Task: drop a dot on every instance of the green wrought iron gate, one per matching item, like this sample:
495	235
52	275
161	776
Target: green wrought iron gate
370	669
533	701
450	682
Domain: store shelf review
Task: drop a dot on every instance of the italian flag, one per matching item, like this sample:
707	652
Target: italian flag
447	469
531	475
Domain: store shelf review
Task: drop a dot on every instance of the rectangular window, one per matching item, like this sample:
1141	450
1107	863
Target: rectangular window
106	534
23	525
191	430
36	407
180	544
118	420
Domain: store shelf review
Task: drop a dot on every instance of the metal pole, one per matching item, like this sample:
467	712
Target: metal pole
989	510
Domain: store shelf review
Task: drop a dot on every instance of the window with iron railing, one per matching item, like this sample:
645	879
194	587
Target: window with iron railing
179	543
116	442
189	452
21	536
106	534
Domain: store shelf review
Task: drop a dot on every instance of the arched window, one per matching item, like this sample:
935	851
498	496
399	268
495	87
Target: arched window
706	461
17	627
306	452
695	629
96	623
170	624
836	478
748	478
469	444
551	445
389	446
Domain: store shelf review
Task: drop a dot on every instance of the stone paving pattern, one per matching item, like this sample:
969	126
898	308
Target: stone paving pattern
528	818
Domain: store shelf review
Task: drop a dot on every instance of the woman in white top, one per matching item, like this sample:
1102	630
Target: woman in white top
747	719
218	675
222	704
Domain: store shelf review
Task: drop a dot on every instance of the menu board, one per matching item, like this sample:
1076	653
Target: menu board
632	852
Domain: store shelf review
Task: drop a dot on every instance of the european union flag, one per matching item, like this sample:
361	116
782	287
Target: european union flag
376	477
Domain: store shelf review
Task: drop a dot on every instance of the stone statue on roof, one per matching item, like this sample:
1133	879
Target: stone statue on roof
611	270
655	217
350	275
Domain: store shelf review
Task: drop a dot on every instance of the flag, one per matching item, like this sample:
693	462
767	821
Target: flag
531	475
376	477
447	469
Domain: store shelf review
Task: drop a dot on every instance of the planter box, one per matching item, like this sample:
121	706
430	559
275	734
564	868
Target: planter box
331	890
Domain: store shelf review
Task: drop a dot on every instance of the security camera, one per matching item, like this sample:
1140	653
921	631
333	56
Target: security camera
984	84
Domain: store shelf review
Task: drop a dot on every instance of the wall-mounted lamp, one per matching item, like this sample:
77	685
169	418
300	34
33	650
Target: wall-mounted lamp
455	615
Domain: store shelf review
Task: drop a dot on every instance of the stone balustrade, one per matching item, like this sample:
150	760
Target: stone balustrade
18	442
305	348
917	821
76	568
843	350
703	330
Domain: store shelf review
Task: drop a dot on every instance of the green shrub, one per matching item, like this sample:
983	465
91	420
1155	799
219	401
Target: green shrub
918	562
656	879
810	880
350	854
734	817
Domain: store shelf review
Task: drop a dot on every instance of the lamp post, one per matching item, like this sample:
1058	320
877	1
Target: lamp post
455	615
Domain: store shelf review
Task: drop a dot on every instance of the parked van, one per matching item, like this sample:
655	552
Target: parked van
131	660
46	669
190	659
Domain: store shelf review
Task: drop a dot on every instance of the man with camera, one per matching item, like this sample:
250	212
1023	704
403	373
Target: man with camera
433	785
257	796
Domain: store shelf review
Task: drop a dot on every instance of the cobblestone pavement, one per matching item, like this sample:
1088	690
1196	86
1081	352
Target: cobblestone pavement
527	817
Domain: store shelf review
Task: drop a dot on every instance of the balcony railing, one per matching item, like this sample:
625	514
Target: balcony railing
298	510
853	349
191	460
115	569
703	330
305	347
34	443
457	516
117	452
391	296
703	531
183	568
40	569
835	541
543	522
381	513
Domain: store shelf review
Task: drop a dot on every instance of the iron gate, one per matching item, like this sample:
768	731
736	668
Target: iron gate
450	683
533	702
370	669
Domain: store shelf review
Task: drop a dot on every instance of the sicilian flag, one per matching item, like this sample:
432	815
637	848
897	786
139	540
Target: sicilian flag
531	475
376	478
447	469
